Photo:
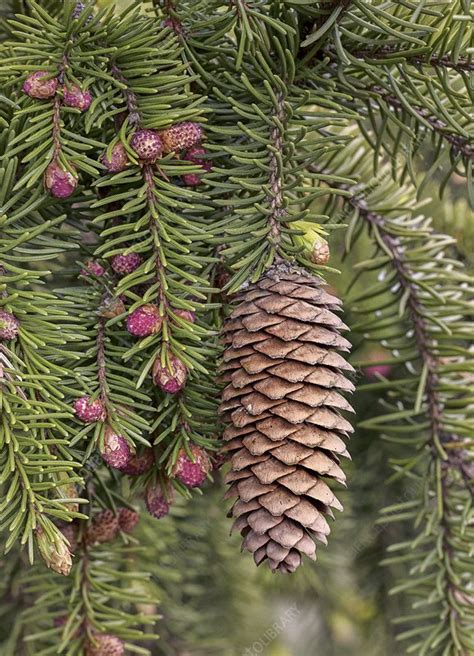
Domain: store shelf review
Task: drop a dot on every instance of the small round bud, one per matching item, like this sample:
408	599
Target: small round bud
191	179
116	451
118	159
74	96
192	472
187	315
128	519
105	644
144	321
181	136
147	145
320	252
158	500
9	325
93	267
139	463
124	264
58	182
377	367
89	411
111	306
55	554
197	155
172	379
104	527
40	85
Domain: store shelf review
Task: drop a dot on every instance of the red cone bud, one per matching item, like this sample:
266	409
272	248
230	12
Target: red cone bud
147	145
74	96
116	451
94	267
158	501
40	85
181	136
58	182
89	411
187	315
9	325
139	463
144	321
191	179
118	159
196	155
170	380
104	527
192	473
123	264
128	519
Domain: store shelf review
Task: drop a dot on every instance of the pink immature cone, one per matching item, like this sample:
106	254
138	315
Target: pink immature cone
158	501
103	528
58	182
181	136
94	267
123	264
187	315
74	96
191	179
144	321
105	644
116	451
197	155
127	519
170	380
9	325
192	473
40	85
147	145
118	159
375	370
139	463
89	411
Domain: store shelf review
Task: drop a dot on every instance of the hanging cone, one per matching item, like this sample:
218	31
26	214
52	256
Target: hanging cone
282	406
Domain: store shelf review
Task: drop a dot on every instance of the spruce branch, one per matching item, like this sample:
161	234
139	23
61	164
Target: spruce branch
394	54
459	144
425	323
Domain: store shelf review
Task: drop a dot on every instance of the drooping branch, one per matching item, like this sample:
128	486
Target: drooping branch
387	52
459	144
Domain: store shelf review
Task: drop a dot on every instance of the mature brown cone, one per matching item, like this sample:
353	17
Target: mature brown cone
285	433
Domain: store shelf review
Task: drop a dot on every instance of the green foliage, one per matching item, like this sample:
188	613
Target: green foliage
318	116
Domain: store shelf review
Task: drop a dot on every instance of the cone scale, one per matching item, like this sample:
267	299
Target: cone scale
285	433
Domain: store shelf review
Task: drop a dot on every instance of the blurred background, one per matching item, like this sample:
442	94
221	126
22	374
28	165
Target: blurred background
215	602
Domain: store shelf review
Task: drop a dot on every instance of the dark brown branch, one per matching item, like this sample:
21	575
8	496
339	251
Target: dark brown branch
130	98
275	198
462	64
101	363
458	143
